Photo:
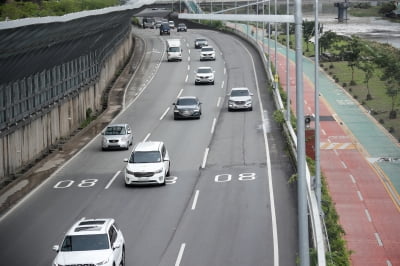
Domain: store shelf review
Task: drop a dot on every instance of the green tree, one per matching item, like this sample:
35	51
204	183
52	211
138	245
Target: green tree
308	32
351	53
327	40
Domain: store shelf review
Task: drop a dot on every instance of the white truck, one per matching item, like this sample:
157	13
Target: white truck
174	50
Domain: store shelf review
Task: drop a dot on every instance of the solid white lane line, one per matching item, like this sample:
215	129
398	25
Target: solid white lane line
352	179
164	114
196	196
359	195
180	254
218	101
179	94
269	172
368	216
147	137
378	239
213	125
112	179
203	165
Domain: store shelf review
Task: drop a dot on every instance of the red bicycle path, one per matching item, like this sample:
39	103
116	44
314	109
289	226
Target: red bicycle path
367	213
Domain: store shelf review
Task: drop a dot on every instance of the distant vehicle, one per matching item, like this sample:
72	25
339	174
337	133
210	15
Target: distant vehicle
165	29
149	23
204	75
200	42
240	98
174	50
187	107
92	242
116	136
171	24
207	53
148	164
158	24
181	27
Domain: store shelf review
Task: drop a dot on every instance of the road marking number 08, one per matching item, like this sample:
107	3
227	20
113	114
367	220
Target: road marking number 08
82	183
241	177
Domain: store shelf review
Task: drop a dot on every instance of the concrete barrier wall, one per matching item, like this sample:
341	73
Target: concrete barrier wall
30	141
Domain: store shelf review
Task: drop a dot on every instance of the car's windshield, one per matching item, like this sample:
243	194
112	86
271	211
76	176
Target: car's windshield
186	102
174	49
200	40
115	130
145	157
85	242
204	70
207	49
181	25
240	93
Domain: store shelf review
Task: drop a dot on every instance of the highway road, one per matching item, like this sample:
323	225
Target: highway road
227	201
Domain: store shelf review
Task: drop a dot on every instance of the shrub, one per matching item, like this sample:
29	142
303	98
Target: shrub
381	121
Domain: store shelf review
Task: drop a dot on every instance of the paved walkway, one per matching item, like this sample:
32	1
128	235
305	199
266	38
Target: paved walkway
359	160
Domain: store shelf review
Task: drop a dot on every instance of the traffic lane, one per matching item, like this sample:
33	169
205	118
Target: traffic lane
282	168
226	222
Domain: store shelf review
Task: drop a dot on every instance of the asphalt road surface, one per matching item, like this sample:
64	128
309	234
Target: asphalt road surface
227	201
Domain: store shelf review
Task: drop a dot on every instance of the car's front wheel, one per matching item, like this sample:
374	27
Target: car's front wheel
122	263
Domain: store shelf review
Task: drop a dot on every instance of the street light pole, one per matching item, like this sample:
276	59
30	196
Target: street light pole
301	158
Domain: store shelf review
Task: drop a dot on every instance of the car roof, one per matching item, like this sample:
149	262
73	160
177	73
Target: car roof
148	146
91	226
204	67
208	46
118	125
201	39
241	88
187	97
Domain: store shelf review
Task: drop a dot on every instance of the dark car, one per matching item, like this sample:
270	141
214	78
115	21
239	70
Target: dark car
181	27
200	42
165	29
187	107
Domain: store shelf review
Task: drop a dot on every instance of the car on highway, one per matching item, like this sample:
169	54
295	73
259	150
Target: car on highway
92	242
181	27
149	163
148	23
207	53
204	75
171	24
240	98
116	136
187	107
165	29
158	23
200	42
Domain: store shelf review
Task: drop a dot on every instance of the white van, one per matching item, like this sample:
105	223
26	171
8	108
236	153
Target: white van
174	50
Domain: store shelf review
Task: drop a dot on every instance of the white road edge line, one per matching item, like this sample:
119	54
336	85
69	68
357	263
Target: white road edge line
196	196
269	173
147	137
213	125
180	254
112	179
164	114
203	165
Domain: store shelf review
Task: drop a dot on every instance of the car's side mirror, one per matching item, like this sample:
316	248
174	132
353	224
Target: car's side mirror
174	104
251	94
129	132
126	160
56	248
116	245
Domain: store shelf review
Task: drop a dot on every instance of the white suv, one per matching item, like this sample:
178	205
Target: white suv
240	98
207	53
92	242
204	75
149	164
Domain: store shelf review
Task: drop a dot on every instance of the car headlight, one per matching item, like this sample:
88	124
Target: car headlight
128	172
248	101
158	171
103	262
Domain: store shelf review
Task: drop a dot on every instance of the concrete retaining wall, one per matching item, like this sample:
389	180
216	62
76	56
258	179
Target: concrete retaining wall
30	141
